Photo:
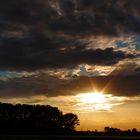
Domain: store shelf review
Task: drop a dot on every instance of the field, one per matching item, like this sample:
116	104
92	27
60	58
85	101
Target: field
66	138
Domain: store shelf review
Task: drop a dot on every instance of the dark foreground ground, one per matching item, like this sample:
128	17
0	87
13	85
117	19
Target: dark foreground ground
66	138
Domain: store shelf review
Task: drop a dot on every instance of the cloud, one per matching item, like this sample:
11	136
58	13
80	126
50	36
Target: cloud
129	68
25	11
67	6
98	17
50	86
72	16
33	41
39	53
38	84
116	85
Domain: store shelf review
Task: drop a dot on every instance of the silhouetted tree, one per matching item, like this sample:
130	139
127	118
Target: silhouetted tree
112	131
106	129
70	121
134	131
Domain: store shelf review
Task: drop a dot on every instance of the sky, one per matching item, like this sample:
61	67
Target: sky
82	56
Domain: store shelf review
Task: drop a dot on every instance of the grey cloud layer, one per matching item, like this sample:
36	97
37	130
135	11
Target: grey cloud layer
95	17
45	53
50	86
98	17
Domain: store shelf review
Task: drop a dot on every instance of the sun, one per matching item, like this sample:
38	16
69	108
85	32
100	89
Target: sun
96	98
96	101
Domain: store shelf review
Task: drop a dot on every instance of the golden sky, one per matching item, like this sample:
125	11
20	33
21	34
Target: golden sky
95	110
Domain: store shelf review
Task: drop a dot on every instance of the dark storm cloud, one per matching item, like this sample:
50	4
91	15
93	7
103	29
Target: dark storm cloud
39	52
39	84
36	52
98	17
51	86
25	11
67	6
116	85
37	21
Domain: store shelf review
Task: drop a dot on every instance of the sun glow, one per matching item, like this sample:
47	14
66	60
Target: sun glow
92	98
97	101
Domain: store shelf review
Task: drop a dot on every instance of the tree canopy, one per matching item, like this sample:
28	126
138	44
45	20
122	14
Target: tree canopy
35	119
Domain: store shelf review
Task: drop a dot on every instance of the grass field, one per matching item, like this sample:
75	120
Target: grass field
66	138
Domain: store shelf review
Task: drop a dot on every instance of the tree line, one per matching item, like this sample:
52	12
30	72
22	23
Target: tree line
117	131
35	119
110	131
